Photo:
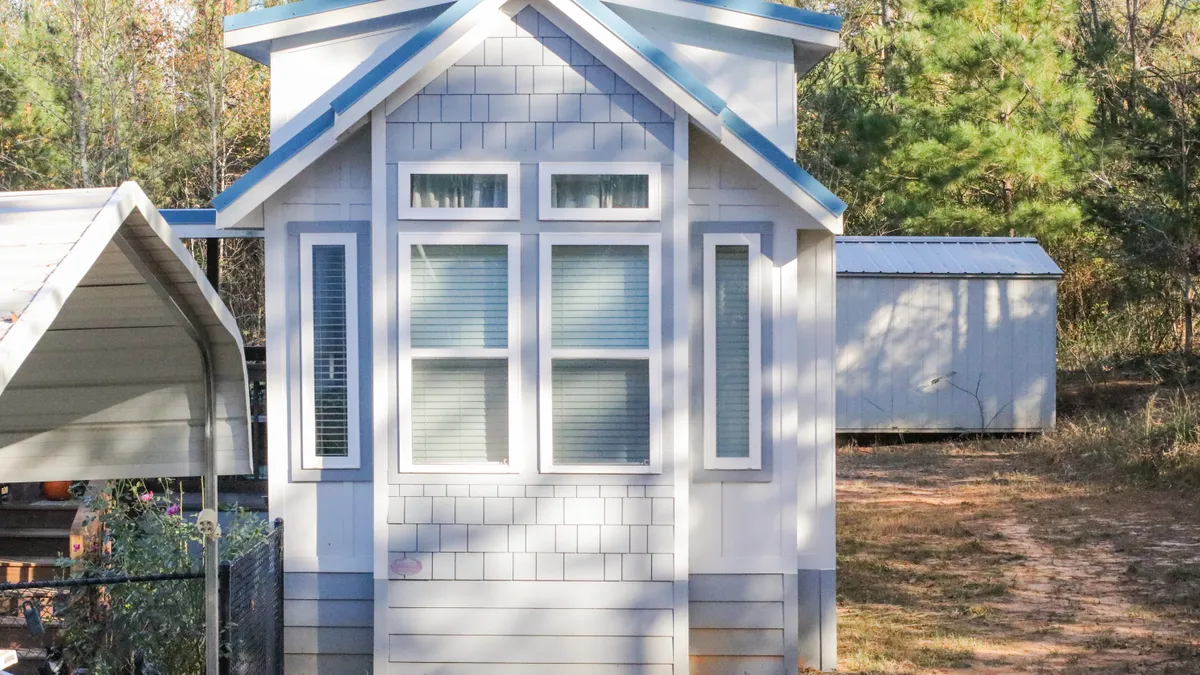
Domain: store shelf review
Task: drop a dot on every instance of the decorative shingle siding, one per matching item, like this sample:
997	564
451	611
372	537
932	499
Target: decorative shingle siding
528	87
534	532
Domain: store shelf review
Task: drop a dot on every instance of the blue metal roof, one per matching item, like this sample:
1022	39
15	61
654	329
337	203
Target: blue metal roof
768	10
944	256
632	37
627	33
411	47
774	10
189	216
770	152
272	161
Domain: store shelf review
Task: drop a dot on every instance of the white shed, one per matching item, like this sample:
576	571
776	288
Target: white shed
944	334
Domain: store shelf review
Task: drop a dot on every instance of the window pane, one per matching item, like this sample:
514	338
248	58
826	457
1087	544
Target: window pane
459	296
460	411
601	411
733	350
600	296
330	353
459	191
596	191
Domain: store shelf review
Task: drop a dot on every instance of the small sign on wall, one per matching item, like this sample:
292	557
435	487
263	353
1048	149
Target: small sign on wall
405	566
410	565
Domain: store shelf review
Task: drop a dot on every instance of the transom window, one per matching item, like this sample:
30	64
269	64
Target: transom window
459	191
329	351
599	191
459	352
599	342
732	352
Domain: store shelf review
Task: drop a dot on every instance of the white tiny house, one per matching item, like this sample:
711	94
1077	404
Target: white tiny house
945	334
550	316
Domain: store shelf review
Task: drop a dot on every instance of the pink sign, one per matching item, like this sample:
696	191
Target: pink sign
406	566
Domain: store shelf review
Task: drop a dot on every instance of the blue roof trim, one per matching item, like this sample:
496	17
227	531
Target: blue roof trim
770	152
632	37
286	11
403	54
773	10
272	161
189	216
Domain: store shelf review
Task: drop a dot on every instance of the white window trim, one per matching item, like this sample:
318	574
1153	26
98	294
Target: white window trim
308	440
512	353
652	169
547	353
406	211
756	272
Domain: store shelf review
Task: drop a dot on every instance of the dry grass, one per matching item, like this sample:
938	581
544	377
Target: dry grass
999	557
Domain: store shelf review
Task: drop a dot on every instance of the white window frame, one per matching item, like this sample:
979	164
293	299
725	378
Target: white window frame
308	443
755	281
512	353
406	211
547	352
653	210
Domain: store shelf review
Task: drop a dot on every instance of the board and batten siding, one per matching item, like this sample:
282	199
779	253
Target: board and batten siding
328	586
936	353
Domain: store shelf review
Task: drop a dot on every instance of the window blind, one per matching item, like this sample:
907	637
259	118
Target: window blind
330	351
732	304
601	411
600	297
459	296
459	411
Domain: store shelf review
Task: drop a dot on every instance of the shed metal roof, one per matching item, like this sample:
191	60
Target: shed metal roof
944	256
100	377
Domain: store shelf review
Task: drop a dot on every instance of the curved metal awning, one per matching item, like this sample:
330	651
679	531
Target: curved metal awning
102	315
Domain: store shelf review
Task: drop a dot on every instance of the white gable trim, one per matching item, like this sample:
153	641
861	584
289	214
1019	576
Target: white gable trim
779	181
734	19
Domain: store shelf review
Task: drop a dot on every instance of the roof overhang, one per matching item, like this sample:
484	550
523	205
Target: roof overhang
101	373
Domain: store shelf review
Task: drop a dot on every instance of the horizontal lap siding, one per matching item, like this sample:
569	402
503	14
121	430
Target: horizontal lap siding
737	624
530	627
327	623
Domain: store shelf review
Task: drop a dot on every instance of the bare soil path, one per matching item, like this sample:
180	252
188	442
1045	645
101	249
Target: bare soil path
958	557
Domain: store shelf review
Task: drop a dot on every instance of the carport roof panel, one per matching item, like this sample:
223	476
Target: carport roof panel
944	256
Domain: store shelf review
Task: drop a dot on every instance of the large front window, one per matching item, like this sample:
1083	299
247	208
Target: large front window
459	352
599	345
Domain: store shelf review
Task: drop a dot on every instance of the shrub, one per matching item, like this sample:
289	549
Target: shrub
145	533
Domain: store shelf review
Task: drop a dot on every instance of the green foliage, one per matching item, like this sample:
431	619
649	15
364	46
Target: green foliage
145	533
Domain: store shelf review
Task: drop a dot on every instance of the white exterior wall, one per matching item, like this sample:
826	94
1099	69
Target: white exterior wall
755	74
927	353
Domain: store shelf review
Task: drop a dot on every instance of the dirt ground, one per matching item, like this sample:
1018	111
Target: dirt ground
958	556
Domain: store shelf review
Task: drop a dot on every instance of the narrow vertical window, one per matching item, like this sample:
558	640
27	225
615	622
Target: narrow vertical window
600	342
459	352
732	352
329	351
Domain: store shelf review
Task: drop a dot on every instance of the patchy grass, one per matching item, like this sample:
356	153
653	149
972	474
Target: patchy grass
1006	556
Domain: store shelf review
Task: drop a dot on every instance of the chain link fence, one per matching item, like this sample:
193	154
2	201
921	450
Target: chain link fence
64	626
252	609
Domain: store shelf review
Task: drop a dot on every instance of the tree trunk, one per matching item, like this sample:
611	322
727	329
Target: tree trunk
78	99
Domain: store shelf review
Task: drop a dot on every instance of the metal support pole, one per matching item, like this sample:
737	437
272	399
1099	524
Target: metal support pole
171	297
212	262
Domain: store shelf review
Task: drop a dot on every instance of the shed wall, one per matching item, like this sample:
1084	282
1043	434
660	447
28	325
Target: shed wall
938	354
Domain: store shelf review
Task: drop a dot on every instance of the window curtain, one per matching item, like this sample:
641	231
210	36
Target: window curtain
330	351
459	191
586	191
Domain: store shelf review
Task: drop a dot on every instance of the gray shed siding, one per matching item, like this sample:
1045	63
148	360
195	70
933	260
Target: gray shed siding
945	353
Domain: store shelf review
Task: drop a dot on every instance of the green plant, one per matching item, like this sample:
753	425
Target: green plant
145	533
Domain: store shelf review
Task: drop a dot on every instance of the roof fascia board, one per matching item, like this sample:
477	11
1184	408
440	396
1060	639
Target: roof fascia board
31	325
272	180
780	181
662	72
419	62
263	170
259	40
746	18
